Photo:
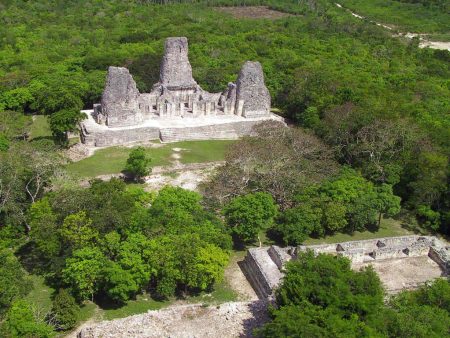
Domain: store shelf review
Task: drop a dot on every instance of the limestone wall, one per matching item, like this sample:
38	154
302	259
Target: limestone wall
113	137
279	255
254	272
441	256
355	255
396	251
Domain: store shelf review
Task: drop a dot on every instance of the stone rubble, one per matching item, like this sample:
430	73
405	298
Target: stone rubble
233	319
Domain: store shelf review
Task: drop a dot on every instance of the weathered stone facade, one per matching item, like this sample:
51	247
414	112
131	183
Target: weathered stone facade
264	266
176	101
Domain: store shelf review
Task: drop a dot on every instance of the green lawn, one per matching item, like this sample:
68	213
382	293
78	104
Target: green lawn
40	127
388	228
202	151
112	160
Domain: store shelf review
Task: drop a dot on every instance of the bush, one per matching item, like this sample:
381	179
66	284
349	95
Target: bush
65	310
138	164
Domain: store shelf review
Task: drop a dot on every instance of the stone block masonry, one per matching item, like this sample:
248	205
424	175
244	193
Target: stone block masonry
264	266
175	103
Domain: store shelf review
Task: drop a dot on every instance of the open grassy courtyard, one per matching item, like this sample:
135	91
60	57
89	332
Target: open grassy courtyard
112	160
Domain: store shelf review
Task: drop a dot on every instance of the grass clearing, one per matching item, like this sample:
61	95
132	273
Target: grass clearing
87	311
40	294
40	127
389	228
222	293
142	304
112	160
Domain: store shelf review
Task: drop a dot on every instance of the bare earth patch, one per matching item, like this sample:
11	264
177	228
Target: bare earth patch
404	273
234	319
253	12
186	176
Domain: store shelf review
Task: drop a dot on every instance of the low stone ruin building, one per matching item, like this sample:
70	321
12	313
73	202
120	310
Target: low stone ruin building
263	266
177	108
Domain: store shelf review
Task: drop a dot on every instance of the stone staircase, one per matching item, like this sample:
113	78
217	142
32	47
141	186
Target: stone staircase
263	269
231	130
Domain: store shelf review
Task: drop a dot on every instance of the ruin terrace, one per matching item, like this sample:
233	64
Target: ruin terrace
401	262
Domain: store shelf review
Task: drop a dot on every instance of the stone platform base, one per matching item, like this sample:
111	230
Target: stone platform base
171	129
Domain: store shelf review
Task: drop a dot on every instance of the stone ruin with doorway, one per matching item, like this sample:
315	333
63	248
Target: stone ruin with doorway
412	260
177	108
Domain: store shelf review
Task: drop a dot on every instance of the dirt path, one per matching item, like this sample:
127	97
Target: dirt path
94	320
237	280
423	41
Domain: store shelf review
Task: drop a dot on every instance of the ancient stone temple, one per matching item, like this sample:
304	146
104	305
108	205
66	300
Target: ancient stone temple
177	108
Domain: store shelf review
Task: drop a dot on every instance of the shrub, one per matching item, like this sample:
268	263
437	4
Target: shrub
65	310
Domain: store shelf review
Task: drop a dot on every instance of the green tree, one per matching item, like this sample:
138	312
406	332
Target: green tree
334	216
388	203
44	228
247	215
119	283
307	320
329	281
138	163
296	224
64	121
77	230
65	311
321	296
13	280
84	271
208	267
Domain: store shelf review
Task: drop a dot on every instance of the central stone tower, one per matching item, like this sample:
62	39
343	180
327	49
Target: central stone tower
176	71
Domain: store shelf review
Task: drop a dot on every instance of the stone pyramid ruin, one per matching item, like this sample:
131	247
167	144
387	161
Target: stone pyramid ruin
177	108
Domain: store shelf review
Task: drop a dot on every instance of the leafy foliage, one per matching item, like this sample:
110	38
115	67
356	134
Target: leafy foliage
248	214
13	280
65	310
21	322
138	163
347	203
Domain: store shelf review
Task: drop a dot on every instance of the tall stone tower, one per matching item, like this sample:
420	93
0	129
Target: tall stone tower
176	71
252	95
120	99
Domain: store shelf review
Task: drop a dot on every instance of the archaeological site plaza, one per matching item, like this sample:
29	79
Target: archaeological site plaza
177	108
